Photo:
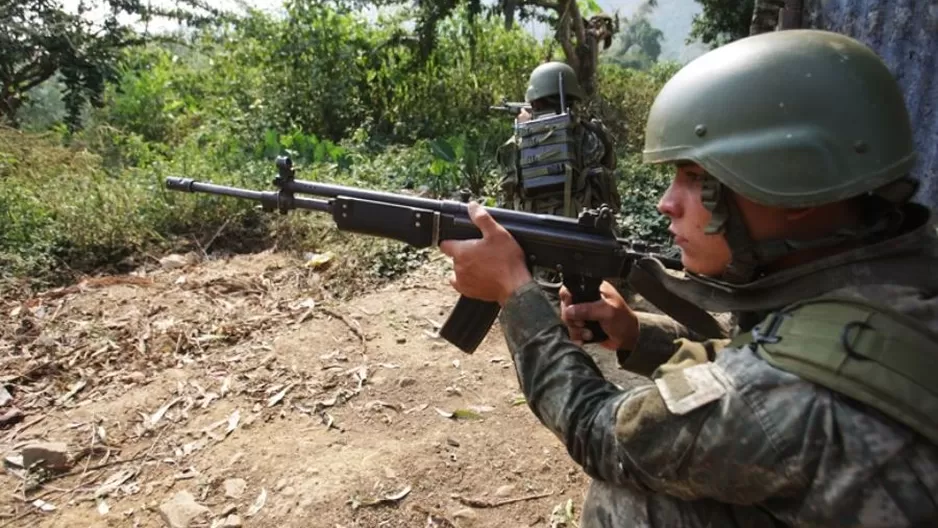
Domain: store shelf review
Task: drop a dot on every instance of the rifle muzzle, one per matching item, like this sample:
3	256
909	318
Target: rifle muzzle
179	184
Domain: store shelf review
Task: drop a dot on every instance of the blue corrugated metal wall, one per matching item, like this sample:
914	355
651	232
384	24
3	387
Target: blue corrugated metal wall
905	34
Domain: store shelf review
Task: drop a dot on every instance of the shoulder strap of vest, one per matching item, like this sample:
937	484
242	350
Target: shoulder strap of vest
610	160
862	350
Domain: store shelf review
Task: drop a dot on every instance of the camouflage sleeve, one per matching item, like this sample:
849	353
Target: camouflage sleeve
508	178
677	434
656	337
593	149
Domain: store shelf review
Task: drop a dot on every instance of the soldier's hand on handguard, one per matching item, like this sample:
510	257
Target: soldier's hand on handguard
616	318
490	268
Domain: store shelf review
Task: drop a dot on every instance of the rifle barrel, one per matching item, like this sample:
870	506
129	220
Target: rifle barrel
442	206
269	199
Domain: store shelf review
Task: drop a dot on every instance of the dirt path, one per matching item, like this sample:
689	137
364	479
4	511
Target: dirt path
240	383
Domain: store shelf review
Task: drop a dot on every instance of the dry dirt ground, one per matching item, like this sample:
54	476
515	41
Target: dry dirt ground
239	389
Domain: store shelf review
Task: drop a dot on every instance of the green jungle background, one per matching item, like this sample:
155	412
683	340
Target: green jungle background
94	118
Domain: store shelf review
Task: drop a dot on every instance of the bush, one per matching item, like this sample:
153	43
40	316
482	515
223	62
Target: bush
349	101
627	95
640	187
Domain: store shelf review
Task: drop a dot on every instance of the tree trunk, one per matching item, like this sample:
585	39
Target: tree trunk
508	10
765	14
9	106
581	39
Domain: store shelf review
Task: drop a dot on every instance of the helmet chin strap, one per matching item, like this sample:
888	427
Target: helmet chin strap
749	257
726	219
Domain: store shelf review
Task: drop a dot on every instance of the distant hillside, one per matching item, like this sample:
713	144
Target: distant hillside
672	17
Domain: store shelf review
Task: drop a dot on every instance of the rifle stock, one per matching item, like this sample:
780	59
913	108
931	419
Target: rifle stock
585	250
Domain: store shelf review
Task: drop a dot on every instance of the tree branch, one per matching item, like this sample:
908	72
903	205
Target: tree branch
578	26
544	4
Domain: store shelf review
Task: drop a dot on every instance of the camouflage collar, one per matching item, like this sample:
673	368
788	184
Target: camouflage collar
907	260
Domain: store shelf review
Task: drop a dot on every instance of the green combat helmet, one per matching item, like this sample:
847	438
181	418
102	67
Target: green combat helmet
794	118
543	82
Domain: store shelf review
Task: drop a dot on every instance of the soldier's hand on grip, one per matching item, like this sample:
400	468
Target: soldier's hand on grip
616	318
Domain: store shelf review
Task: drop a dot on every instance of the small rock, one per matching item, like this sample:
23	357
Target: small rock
283	510
174	261
234	488
137	377
49	455
465	514
505	490
181	510
232	521
401	340
11	417
288	491
15	460
452	441
406	382
280	484
306	502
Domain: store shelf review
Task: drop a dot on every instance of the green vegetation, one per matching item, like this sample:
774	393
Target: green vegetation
352	102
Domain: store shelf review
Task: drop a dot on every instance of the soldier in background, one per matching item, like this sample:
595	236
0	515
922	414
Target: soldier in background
557	162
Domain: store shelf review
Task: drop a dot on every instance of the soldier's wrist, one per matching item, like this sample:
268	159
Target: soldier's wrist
627	347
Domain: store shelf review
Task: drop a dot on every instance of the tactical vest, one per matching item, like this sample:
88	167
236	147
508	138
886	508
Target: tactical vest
867	352
548	158
545	167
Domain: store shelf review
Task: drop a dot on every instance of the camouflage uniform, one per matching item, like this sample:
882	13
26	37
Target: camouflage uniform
720	435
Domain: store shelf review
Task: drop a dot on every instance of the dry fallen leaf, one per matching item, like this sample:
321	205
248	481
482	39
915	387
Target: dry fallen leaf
258	503
318	260
391	498
77	386
275	399
233	421
113	482
158	415
5	396
43	505
377	404
464	414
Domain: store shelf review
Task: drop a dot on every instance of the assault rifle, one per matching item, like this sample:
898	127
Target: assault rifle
584	250
510	107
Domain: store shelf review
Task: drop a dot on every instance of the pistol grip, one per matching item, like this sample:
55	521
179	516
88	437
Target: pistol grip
586	289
